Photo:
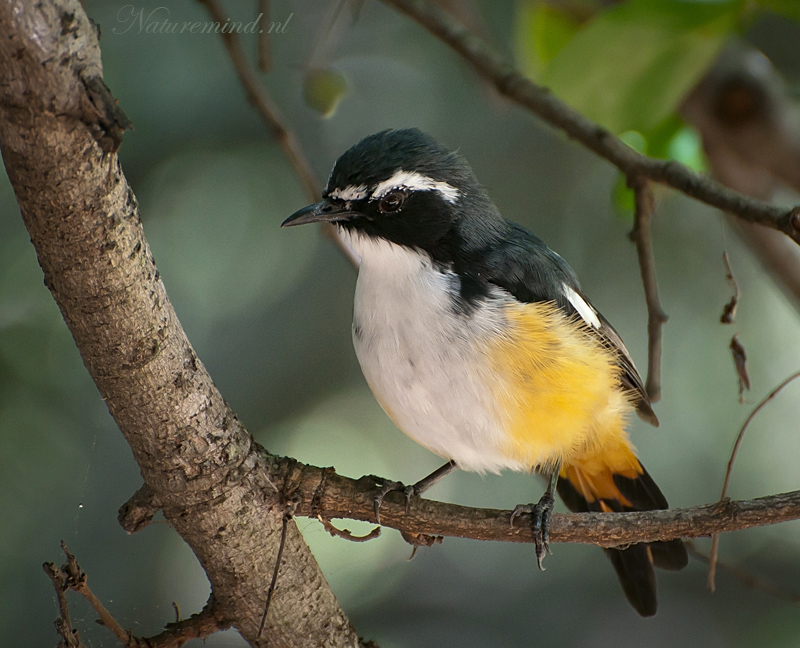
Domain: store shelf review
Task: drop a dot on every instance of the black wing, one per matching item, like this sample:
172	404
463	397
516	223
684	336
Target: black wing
524	266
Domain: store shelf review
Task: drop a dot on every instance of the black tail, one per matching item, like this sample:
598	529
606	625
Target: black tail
606	492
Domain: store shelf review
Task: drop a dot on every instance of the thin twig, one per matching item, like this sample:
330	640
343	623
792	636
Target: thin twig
656	317
715	537
77	581
198	626
515	86
347	534
284	524
71	637
747	422
71	577
263	103
271	115
753	581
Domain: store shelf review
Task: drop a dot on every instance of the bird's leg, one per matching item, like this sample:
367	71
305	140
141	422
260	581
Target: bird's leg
415	490
540	516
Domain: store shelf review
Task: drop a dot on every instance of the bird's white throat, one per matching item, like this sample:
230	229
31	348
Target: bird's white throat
423	358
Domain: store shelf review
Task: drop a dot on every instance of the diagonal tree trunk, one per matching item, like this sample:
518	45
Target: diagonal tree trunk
59	132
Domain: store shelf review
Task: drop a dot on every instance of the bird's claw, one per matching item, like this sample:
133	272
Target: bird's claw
409	492
540	524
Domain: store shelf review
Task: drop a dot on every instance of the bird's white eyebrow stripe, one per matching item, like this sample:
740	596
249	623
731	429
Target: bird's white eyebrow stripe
351	192
415	181
583	307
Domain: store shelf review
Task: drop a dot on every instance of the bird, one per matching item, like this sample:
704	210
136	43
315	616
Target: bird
478	342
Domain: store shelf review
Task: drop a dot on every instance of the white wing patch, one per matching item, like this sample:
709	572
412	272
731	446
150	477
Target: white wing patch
583	307
415	181
352	192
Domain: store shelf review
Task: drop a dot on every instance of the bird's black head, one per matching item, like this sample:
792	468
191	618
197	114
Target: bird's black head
404	187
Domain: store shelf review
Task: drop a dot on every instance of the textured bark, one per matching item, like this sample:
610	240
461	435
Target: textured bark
320	492
59	130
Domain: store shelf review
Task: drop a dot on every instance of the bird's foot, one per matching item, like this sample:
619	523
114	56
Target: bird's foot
409	492
540	524
388	486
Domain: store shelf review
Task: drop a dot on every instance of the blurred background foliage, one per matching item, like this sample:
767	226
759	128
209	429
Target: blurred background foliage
269	314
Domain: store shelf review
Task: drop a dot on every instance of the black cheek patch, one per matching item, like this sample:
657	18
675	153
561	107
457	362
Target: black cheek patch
422	223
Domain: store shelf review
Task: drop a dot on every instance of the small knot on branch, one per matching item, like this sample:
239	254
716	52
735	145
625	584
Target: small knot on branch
725	509
139	510
508	81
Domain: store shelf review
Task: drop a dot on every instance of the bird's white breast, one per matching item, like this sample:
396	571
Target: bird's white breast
424	359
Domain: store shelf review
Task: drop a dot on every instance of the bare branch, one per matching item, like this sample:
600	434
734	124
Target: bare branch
322	492
271	115
71	637
516	87
71	577
748	579
731	461
263	103
656	317
84	223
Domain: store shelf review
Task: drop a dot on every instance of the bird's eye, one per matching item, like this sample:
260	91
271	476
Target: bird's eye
392	202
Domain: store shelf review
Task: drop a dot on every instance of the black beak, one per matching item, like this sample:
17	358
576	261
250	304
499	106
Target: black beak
321	212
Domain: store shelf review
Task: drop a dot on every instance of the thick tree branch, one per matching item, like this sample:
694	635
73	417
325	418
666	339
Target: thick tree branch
322	492
516	87
83	219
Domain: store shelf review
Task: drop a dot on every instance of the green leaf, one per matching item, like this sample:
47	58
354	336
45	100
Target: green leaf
687	148
629	67
323	89
622	199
